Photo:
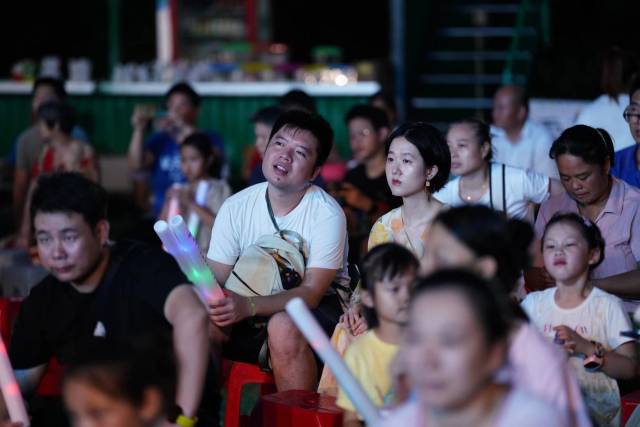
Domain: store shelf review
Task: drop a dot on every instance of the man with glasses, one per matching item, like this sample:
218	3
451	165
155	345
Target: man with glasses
365	194
627	164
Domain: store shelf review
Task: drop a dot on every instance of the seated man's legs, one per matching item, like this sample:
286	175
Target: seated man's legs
292	361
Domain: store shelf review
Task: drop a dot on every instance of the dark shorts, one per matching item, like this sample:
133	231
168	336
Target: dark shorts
246	338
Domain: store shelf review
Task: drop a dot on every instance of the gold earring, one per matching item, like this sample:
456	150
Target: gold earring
427	184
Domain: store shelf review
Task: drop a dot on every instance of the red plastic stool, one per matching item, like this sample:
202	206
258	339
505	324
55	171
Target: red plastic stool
293	408
237	375
629	403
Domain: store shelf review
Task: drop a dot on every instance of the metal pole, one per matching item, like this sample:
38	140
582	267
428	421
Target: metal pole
398	54
113	12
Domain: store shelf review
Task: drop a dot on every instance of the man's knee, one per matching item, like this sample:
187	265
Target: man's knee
284	336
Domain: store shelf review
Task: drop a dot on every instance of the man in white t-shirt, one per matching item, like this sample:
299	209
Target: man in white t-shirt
298	146
517	140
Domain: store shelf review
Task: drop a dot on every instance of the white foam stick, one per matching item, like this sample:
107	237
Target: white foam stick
193	223
11	390
187	254
319	341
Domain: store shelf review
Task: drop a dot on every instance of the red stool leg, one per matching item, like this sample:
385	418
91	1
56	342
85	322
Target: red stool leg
240	375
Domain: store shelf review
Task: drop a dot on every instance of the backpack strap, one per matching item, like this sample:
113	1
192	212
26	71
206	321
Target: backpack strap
273	218
504	191
490	187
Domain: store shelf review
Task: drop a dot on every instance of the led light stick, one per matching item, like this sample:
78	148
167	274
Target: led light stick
193	223
180	244
311	330
11	390
174	203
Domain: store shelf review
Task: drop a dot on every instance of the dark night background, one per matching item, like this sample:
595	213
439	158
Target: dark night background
72	28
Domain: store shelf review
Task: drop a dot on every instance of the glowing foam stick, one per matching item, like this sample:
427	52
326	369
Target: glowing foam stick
312	331
180	244
11	390
174	203
201	197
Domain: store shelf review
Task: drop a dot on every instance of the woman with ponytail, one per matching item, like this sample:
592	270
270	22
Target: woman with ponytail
585	156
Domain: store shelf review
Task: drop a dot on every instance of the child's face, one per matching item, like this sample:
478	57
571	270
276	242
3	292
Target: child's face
566	253
192	164
391	298
448	358
89	407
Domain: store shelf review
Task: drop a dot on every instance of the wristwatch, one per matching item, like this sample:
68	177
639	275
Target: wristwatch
595	361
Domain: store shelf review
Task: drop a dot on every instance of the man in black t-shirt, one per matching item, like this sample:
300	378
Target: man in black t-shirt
97	288
366	194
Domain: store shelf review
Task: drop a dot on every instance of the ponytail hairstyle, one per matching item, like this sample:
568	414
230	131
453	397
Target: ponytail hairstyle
589	231
592	145
481	133
487	232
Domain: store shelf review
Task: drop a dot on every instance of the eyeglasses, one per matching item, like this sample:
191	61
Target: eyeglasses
360	134
631	114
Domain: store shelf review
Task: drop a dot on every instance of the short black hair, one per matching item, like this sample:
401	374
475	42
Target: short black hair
376	116
54	113
297	99
70	192
312	123
588	230
431	145
123	369
56	84
489	304
384	261
187	90
267	115
592	145
481	132
487	232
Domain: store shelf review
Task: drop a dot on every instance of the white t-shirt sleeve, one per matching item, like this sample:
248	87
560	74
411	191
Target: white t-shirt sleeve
448	194
617	321
327	243
225	241
535	186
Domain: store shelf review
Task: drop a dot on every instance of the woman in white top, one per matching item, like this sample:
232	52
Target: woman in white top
479	181
455	343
